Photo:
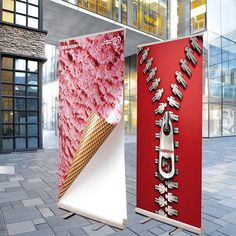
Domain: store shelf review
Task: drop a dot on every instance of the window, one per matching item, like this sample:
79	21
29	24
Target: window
198	15
21	12
20	103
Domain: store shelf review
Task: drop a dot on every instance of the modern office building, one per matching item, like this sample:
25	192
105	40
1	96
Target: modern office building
145	21
22	43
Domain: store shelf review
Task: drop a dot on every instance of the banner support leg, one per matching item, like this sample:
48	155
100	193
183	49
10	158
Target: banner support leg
68	215
98	226
145	220
175	231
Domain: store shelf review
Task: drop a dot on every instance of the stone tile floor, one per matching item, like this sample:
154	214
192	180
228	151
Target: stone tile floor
28	198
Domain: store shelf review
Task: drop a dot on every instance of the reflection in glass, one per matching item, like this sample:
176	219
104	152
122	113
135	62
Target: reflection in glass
7	143
7	116
32	66
229	120
7	90
198	15
7	130
32	117
20	77
7	76
33	22
35	2
7	17
32	130
19	90
7	103
8	5
20	64
7	63
20	7
32	91
20	20
215	120
33	11
32	142
20	117
20	143
20	130
20	104
32	104
32	79
183	12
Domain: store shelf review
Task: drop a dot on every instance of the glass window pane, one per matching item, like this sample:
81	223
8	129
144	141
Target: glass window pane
7	130
20	78
19	90
20	143
7	143
7	103
20	20
32	66
33	11
32	104
20	104
32	117
7	63
198	15
7	116
35	2
32	91
32	142
33	22
7	76
215	120
32	130
20	130
32	79
21	7
7	90
20	117
20	64
7	17
8	5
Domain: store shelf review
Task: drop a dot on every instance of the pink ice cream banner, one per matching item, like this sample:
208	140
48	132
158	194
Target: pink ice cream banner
91	152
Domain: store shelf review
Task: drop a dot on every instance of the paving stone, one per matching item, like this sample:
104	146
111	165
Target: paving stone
39	221
105	230
137	228
228	229
214	211
231	217
33	202
20	227
20	214
209	226
43	232
77	231
35	180
125	232
9	197
46	212
157	231
9	184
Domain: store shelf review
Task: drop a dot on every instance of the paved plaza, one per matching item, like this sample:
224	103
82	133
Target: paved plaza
28	198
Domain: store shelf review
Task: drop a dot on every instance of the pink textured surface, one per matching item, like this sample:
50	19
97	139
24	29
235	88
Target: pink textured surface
91	71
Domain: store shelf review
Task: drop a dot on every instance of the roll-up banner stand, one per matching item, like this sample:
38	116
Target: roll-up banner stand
91	163
169	133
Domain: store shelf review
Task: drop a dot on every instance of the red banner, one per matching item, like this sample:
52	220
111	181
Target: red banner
169	135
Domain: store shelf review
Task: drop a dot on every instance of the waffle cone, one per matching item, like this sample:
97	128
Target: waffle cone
95	133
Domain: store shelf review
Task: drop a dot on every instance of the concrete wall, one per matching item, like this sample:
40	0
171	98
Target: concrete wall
21	41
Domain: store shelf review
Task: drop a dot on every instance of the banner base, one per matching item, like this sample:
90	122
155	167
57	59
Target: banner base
169	221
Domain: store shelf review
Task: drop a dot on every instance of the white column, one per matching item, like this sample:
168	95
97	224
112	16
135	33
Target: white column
173	18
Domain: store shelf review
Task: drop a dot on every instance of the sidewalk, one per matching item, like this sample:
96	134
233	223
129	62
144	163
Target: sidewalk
28	198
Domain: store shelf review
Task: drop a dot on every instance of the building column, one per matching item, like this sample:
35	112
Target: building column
173	18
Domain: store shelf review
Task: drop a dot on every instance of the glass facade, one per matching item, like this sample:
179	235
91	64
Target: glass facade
21	12
19	124
146	15
219	101
130	95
